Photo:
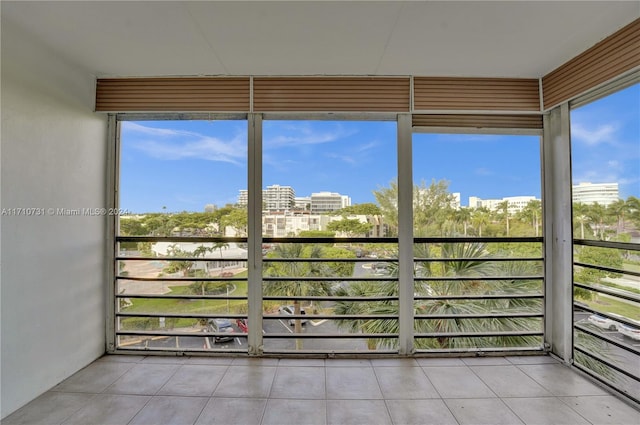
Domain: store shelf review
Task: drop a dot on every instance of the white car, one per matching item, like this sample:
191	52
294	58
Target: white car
604	322
289	310
632	332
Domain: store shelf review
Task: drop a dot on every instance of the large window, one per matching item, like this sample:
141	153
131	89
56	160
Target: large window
605	145
479	285
182	272
325	179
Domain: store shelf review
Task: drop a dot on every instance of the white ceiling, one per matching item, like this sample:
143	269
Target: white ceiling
431	38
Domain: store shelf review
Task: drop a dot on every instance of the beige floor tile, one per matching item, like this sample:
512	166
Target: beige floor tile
295	412
404	383
484	411
232	411
561	381
246	381
357	412
544	411
169	410
457	382
111	409
604	410
48	409
299	382
352	383
509	381
194	380
420	412
143	379
94	378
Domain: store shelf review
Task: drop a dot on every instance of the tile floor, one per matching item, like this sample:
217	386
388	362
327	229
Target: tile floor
196	390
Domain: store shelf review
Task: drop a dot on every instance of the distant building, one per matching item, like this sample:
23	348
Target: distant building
209	208
288	224
590	193
515	204
274	198
303	203
322	202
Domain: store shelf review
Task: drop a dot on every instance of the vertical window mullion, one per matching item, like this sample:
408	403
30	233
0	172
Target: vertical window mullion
254	236
405	235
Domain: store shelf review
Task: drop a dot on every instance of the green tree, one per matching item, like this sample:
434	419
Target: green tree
350	227
238	219
480	218
618	210
532	212
475	265
293	269
359	209
175	266
503	209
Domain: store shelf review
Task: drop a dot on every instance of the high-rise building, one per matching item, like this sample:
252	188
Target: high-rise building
274	198
328	201
590	193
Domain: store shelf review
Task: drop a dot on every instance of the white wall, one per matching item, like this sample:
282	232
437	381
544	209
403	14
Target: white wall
52	267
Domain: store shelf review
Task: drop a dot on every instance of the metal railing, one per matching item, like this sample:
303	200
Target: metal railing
314	304
607	314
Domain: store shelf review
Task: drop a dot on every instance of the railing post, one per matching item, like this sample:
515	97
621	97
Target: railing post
111	202
254	236
405	235
558	232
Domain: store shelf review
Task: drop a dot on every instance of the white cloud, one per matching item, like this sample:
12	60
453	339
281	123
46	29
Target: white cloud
168	144
303	134
593	137
483	171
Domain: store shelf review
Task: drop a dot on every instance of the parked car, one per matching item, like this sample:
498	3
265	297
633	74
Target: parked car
632	332
243	325
290	310
220	326
603	322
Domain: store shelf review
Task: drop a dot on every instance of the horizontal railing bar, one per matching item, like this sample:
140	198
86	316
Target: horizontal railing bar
182	297
180	316
179	333
328	298
202	239
330	317
328	260
627	246
178	351
604	337
611	292
607	363
467	278
474	316
328	279
476	350
183	279
294	335
606	269
479	260
469	239
169	259
477	335
324	240
479	297
327	240
264	317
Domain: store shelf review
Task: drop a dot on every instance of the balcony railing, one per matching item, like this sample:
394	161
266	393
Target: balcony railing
331	296
606	313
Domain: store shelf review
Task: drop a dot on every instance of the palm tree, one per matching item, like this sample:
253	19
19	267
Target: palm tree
480	217
580	215
300	288
503	208
220	246
475	265
618	209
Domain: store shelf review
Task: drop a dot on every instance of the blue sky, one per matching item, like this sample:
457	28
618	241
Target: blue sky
184	165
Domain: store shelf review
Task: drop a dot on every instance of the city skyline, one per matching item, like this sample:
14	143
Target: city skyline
185	165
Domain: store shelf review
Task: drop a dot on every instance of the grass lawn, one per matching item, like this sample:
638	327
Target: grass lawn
610	305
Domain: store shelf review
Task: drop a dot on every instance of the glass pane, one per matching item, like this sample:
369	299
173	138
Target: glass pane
180	179
327	179
476	185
